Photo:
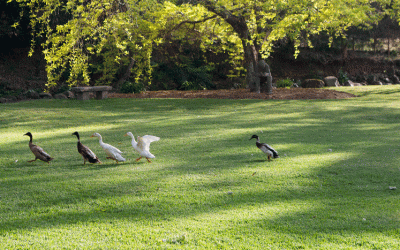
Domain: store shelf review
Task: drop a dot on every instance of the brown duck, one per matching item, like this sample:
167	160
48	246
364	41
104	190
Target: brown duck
86	153
38	151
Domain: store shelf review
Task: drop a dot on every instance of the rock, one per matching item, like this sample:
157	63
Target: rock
60	96
376	83
386	80
352	84
313	83
331	81
32	94
45	95
348	83
294	85
8	99
265	75
69	94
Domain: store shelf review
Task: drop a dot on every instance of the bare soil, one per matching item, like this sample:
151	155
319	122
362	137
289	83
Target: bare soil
278	93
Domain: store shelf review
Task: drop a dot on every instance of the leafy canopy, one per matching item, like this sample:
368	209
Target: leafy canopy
92	41
86	37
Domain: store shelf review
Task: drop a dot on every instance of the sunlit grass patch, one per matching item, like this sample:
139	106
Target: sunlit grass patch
209	186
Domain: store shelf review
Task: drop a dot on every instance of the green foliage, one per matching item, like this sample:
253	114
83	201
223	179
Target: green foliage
284	83
185	77
90	42
181	66
196	78
95	39
342	76
4	91
132	87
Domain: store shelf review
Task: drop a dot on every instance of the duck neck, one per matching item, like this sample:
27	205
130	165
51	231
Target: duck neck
134	143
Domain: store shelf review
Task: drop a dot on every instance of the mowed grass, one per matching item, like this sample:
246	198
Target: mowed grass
209	187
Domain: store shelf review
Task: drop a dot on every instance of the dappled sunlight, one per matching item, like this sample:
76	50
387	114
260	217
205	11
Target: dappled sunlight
336	159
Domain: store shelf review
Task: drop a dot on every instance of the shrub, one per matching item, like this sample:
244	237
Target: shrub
130	87
342	76
189	76
284	83
196	78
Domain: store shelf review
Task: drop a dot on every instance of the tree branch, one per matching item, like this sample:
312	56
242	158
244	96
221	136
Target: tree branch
127	73
192	22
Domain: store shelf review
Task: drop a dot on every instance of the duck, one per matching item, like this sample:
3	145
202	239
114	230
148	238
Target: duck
112	152
86	153
271	153
38	151
142	146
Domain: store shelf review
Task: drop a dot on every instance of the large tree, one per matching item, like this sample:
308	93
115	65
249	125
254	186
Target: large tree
94	41
99	41
260	23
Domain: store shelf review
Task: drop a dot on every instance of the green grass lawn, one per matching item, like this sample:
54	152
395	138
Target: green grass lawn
209	187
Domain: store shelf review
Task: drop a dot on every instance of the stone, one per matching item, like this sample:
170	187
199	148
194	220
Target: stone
45	95
352	84
386	80
32	94
313	83
60	96
376	83
82	93
331	81
294	85
69	94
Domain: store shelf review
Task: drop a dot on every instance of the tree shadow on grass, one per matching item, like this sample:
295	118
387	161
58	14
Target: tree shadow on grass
330	198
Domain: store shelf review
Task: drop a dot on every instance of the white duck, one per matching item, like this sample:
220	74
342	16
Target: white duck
142	146
112	152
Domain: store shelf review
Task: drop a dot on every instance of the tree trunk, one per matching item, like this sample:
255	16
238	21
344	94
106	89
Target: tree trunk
252	74
126	75
239	25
